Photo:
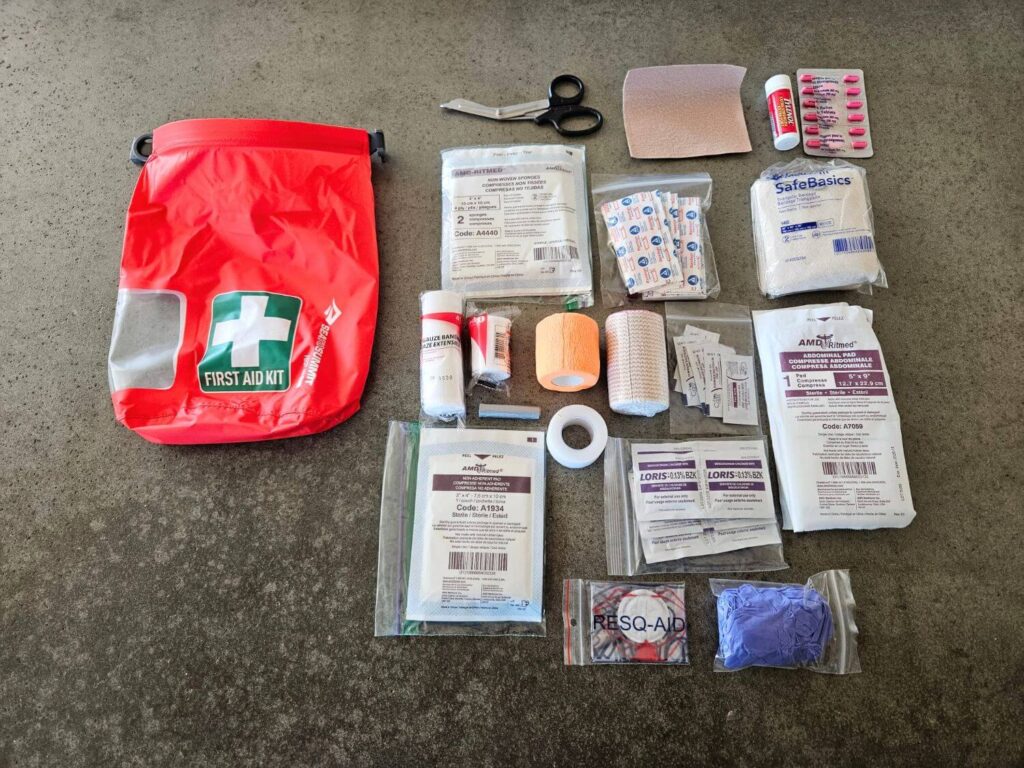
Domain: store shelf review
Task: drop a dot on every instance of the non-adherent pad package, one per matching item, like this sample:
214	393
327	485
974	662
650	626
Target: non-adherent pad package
834	424
461	532
813	229
791	626
514	224
690	506
611	622
712	369
653	237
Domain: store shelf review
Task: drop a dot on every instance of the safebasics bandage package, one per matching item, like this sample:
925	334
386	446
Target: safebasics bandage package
514	223
461	532
834	425
813	229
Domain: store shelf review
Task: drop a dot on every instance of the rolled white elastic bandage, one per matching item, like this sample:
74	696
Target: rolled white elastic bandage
577	416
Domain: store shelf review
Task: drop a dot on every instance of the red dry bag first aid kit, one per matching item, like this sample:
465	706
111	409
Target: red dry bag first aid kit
248	294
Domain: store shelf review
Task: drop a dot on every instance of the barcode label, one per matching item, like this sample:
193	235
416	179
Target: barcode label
477	561
857	244
849	468
556	253
501	345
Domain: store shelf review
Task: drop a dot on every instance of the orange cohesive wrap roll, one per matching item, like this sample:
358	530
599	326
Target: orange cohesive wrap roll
568	352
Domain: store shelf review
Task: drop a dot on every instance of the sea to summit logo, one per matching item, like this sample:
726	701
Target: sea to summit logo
824	341
250	344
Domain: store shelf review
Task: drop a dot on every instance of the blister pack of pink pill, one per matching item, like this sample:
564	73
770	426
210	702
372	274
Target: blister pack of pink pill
834	113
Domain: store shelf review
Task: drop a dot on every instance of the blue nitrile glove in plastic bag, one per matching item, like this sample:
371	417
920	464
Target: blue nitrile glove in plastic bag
787	625
772	626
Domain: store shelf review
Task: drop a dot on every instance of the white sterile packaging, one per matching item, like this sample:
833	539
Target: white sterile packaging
461	532
739	390
813	229
690	506
514	223
834	424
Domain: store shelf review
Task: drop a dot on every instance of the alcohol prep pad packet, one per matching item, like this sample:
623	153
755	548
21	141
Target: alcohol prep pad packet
515	223
461	532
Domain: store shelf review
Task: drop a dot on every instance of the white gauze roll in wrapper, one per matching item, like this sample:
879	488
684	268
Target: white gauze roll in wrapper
637	364
441	380
813	228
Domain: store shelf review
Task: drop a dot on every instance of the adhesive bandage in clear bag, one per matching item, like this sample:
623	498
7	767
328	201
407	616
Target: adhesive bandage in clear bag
461	532
514	224
652	237
813	229
690	506
835	429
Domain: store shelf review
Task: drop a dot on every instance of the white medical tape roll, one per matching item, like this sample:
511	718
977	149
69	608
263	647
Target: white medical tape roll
637	363
577	416
490	338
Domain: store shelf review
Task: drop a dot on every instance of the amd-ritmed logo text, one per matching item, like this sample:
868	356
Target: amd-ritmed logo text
824	341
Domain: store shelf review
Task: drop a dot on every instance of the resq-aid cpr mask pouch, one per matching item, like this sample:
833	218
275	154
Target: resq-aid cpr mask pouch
514	224
791	626
813	229
248	292
461	532
834	425
610	622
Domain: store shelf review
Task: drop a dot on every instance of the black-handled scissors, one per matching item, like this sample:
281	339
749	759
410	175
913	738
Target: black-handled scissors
558	109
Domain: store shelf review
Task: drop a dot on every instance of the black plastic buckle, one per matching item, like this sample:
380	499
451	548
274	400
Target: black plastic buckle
377	148
144	141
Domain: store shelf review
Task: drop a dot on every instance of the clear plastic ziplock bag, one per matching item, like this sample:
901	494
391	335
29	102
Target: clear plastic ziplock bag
711	539
514	224
712	369
652	233
611	622
461	533
790	626
813	229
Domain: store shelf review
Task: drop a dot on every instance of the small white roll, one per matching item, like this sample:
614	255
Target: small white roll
637	363
490	338
577	416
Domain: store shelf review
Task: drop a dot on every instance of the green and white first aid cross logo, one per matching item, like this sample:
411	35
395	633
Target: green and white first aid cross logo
250	344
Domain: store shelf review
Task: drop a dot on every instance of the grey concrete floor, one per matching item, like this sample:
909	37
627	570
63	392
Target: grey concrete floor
213	606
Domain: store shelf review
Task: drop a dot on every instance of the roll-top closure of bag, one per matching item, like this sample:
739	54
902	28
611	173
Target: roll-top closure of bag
222	132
